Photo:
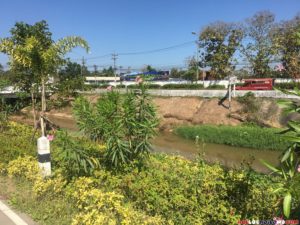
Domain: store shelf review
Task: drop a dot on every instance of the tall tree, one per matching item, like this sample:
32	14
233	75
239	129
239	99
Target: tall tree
219	42
258	48
40	57
286	42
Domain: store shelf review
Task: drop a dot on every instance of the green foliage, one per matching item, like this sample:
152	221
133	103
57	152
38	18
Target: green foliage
73	156
16	141
125	123
195	193
249	102
70	79
183	86
36	55
285	41
259	50
289	86
252	109
289	167
164	190
240	136
220	41
216	86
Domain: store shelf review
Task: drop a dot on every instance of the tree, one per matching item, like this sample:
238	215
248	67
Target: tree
22	76
286	43
148	68
40	56
219	42
175	73
70	79
107	72
258	48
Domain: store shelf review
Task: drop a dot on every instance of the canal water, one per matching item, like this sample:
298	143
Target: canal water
170	143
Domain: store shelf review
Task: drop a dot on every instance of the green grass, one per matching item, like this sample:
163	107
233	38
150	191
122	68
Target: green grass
239	136
46	211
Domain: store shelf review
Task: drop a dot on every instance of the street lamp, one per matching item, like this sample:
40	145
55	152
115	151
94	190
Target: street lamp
197	57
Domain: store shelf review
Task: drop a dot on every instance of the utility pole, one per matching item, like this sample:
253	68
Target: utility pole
82	65
114	58
197	58
81	69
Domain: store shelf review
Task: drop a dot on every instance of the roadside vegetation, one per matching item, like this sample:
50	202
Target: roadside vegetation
240	136
162	190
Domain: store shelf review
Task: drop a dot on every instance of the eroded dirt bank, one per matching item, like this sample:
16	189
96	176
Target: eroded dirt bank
174	111
191	110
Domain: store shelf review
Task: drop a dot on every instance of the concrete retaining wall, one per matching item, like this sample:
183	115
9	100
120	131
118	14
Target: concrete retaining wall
204	93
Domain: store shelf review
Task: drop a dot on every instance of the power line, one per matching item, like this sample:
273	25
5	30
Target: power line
157	50
144	52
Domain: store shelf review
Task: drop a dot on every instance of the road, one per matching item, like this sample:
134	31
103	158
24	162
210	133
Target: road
10	217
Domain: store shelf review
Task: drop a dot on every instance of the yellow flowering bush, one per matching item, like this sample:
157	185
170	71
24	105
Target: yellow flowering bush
52	187
16	142
26	167
99	207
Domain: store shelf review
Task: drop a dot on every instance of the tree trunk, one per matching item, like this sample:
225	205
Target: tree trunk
33	108
43	100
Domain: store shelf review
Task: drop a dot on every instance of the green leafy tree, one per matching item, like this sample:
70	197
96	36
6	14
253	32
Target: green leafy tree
219	42
125	123
107	72
148	68
175	73
41	56
258	47
70	79
286	43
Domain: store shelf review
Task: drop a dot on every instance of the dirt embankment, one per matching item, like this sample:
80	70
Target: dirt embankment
192	110
174	111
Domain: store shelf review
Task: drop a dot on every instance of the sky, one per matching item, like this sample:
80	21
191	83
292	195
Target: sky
135	26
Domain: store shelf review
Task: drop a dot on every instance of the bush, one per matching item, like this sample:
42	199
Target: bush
183	86
290	85
99	207
216	86
240	136
17	141
25	167
196	193
125	123
74	156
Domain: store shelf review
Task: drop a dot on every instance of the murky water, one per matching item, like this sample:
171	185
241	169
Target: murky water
172	144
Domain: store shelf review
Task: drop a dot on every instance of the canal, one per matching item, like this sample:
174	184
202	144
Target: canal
170	143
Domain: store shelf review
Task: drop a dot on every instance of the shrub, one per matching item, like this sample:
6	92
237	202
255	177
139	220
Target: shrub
290	85
52	187
216	86
98	207
22	144
26	167
75	156
125	123
183	86
240	136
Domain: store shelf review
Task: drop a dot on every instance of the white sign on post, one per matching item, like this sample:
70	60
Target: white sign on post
43	145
